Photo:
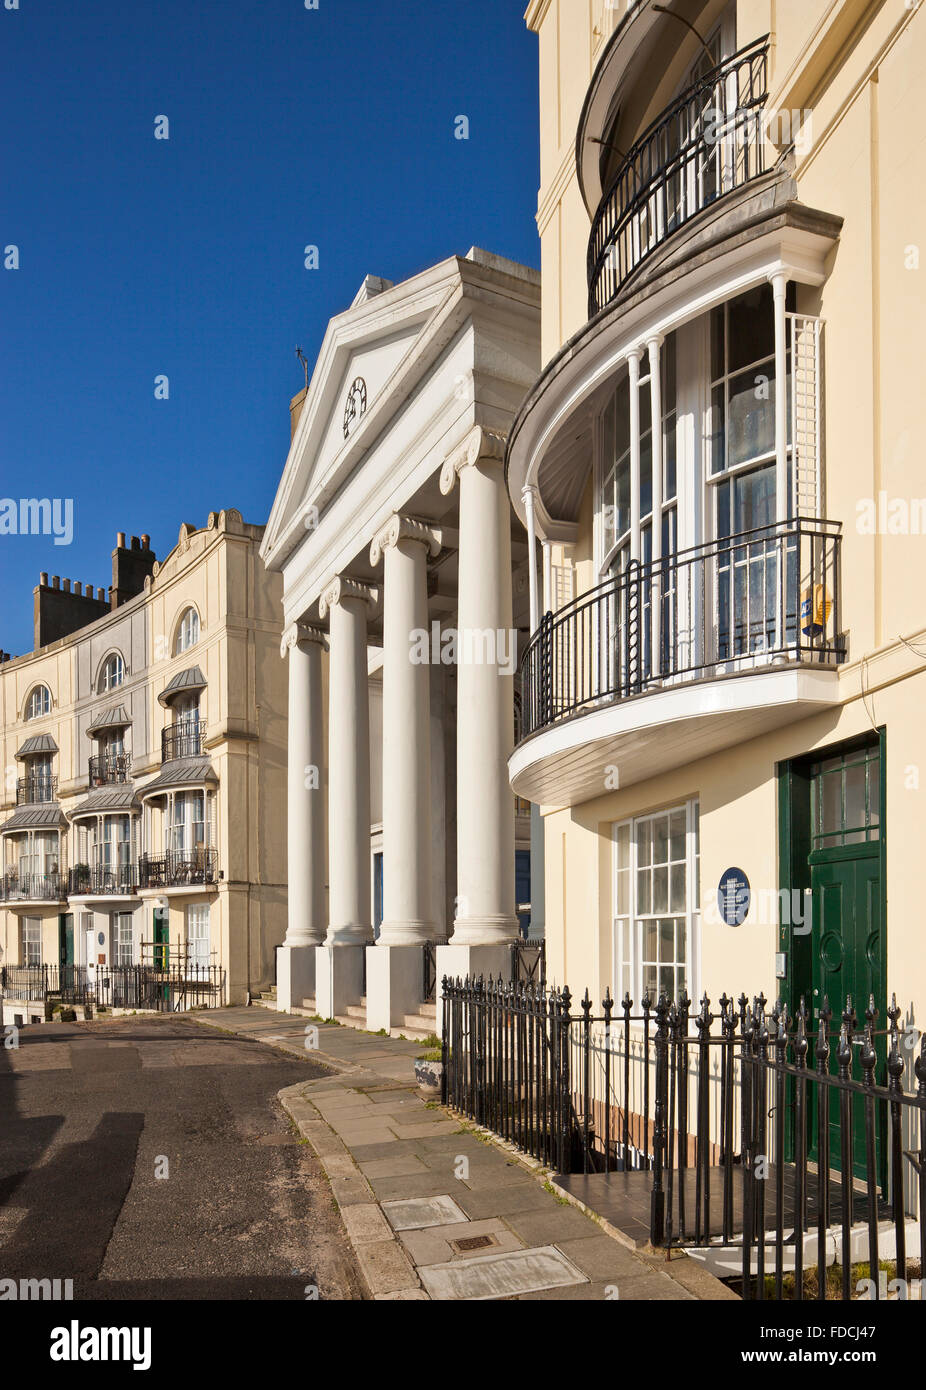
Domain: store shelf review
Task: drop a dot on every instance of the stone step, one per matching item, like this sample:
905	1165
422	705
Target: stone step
309	1004
424	1023
357	1010
354	1018
411	1034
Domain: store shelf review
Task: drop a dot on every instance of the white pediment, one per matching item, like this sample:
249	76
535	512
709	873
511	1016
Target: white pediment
381	341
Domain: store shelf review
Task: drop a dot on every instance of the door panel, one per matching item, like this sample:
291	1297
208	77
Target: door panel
848	963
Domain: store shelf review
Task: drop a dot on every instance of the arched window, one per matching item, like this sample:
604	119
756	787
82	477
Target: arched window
187	632
39	702
113	673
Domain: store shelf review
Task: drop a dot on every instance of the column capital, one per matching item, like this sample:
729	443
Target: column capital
342	587
404	528
479	446
300	634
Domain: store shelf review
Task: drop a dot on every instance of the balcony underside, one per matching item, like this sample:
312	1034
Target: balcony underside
621	742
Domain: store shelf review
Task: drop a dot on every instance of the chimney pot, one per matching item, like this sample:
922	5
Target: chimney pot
120	540
43	579
66	585
146	542
55	581
78	587
101	595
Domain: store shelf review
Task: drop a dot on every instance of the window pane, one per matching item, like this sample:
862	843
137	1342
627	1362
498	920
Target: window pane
644	843
754	500
660	890
667	942
718	431
650	942
752	328
677	888
677	835
751	420
717	342
644	903
855	796
661	840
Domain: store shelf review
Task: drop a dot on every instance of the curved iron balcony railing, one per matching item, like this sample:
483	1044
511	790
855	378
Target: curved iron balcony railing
709	142
38	786
106	768
177	867
182	740
741	604
90	879
16	887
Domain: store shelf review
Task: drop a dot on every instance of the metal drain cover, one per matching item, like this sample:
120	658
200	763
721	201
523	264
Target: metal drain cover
467	1243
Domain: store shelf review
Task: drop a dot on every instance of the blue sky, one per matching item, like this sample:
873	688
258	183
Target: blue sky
141	257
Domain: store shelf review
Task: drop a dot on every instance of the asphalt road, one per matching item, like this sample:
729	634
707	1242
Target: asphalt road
149	1158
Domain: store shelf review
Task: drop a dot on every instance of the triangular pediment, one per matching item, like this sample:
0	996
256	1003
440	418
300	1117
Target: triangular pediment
370	358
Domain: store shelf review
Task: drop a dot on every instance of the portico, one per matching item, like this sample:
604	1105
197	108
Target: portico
392	520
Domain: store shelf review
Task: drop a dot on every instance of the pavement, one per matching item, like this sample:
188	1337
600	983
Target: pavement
435	1207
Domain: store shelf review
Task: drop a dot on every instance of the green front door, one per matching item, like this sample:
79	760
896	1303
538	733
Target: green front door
848	963
161	939
833	843
66	950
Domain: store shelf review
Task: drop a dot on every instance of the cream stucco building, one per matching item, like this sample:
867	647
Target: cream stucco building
143	812
719	461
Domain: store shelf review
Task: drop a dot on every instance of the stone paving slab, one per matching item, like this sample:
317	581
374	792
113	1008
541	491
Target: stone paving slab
416	1213
501	1276
385	1148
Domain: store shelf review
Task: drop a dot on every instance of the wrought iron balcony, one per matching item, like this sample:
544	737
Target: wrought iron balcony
710	141
107	768
37	786
182	740
17	887
92	879
746	603
177	868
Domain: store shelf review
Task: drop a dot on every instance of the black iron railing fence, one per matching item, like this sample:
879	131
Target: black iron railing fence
177	868
184	739
107	768
121	879
169	990
37	786
773	1139
735	605
708	143
28	887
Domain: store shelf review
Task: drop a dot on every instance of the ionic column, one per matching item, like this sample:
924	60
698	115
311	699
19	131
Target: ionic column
346	602
403	545
305	835
487	655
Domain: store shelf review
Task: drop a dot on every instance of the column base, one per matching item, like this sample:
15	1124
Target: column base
338	979
410	932
295	976
395	984
349	935
485	931
455	960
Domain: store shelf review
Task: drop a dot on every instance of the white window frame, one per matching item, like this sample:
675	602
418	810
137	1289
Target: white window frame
112	674
42	694
31	941
198	932
627	926
188	631
122	938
